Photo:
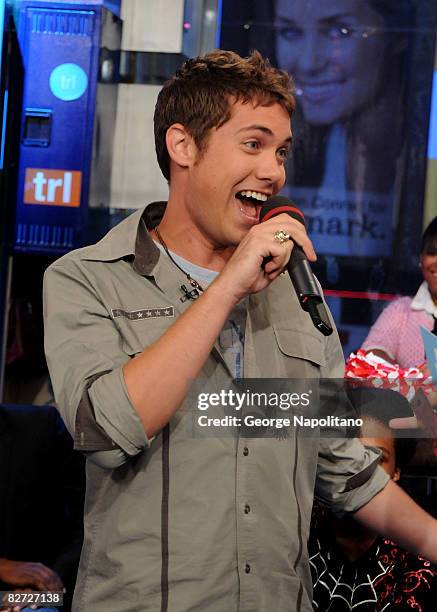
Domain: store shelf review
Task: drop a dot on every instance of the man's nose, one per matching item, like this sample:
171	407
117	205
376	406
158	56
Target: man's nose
270	168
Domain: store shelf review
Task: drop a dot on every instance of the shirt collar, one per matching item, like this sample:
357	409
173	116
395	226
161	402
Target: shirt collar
423	300
130	238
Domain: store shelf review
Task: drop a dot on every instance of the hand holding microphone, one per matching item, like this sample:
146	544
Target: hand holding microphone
262	255
298	267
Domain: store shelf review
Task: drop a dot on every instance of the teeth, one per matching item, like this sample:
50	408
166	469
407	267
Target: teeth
255	195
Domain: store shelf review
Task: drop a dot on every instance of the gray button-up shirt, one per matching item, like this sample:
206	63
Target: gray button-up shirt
181	522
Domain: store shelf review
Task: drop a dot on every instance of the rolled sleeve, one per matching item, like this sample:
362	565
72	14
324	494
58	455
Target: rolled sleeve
85	363
348	474
121	423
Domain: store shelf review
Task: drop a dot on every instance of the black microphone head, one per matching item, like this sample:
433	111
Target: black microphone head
276	205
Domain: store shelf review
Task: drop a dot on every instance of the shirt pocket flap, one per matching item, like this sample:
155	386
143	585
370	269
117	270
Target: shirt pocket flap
303	345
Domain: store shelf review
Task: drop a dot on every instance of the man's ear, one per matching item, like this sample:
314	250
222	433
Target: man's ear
181	147
396	475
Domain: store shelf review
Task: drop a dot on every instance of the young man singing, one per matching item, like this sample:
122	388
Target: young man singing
176	522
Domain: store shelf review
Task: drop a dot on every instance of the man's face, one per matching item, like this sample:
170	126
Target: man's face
337	53
241	166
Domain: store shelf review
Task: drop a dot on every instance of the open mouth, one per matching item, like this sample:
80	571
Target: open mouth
250	203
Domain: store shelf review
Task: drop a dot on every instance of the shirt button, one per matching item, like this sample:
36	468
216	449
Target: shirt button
247	568
246	509
245	451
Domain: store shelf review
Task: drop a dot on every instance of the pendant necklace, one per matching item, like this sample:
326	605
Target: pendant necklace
197	288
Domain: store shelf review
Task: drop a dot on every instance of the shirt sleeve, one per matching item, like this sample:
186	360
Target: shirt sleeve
85	363
384	333
348	475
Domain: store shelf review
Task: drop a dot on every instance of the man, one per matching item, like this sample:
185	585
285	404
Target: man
215	523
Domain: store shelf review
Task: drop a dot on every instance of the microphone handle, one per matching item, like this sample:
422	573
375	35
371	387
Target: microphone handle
307	290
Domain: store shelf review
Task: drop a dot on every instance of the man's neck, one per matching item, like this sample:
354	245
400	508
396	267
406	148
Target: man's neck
183	237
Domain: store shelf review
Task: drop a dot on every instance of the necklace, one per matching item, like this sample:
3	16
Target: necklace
196	286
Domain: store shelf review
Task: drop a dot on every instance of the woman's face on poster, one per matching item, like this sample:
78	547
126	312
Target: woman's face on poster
337	52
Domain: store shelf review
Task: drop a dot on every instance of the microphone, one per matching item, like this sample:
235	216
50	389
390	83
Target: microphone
301	275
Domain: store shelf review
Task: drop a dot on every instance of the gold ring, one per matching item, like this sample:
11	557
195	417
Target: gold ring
282	236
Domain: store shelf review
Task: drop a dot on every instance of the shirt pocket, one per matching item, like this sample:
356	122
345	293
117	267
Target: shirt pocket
302	353
301	357
135	336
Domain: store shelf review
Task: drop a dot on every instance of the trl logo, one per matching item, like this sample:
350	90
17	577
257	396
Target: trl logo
52	187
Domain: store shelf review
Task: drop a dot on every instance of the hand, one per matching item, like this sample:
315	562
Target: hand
25	574
244	273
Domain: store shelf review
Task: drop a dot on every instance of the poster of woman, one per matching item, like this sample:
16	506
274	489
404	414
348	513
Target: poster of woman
347	58
356	68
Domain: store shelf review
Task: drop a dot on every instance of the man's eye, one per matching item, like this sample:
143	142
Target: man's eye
338	31
252	144
283	153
